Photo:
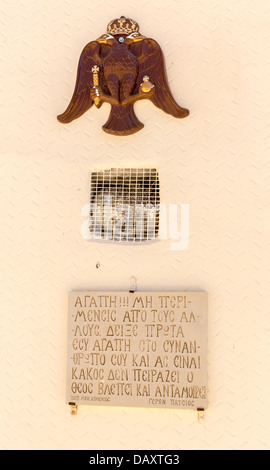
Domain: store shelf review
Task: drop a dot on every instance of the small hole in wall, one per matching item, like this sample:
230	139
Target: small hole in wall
97	265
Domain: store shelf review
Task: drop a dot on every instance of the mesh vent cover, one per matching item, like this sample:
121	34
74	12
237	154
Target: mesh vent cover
124	204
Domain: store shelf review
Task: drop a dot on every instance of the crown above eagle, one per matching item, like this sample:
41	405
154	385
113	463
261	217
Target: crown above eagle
122	25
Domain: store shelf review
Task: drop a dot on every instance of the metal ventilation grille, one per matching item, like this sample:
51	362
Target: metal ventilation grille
124	204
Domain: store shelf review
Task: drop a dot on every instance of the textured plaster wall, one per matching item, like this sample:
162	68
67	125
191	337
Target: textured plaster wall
216	160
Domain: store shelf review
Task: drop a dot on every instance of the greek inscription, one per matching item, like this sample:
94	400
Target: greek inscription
137	349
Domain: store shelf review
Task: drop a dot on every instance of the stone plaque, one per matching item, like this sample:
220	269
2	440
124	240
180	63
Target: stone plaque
144	349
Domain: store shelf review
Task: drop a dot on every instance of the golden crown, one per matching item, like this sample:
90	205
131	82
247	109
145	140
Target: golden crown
122	25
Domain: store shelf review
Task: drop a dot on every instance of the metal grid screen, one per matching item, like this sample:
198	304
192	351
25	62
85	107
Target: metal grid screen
124	204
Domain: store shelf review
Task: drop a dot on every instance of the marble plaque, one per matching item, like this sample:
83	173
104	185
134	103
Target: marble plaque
143	349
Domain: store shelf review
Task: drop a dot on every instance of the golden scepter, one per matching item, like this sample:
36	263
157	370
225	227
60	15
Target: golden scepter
95	71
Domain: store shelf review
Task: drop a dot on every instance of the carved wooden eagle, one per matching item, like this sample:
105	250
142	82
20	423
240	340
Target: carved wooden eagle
119	68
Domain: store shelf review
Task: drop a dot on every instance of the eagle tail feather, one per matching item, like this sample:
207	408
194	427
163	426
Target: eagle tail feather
122	121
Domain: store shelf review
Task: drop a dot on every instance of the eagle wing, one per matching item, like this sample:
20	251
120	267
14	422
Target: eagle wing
151	63
81	100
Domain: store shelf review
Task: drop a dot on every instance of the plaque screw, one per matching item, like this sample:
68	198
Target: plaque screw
74	409
133	286
200	414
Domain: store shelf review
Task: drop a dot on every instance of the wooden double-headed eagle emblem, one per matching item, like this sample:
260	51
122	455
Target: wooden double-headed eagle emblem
119	68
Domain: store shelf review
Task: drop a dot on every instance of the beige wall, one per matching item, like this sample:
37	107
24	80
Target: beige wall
216	160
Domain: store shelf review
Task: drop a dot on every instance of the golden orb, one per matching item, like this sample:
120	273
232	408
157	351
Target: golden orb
146	85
